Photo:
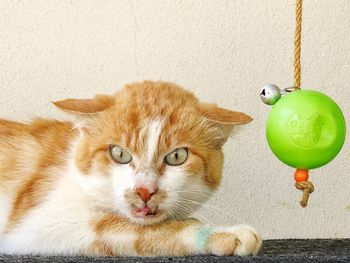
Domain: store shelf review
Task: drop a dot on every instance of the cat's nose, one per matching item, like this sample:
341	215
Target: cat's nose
145	193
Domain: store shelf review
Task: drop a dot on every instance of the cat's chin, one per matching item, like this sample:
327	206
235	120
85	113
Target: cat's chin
147	219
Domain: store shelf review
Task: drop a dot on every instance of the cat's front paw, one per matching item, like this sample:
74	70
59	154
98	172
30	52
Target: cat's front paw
241	240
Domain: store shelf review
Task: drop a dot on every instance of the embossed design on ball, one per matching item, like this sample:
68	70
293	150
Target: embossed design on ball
304	128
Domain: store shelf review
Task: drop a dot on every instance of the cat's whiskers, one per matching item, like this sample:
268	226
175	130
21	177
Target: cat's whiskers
189	211
184	211
212	208
207	197
174	216
185	189
202	193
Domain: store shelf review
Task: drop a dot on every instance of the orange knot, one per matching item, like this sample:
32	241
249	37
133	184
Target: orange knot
301	177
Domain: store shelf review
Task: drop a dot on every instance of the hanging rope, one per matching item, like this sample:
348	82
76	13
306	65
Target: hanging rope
297	43
301	176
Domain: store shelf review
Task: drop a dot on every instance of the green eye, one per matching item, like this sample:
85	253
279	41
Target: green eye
177	157
119	155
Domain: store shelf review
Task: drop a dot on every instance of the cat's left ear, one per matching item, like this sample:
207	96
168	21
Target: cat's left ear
85	106
225	118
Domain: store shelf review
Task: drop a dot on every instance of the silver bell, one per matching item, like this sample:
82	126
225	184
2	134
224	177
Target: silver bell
270	94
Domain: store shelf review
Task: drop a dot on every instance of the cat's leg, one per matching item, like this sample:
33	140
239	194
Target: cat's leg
177	238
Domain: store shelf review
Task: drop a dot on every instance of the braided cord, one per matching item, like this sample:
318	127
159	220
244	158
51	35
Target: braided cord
297	43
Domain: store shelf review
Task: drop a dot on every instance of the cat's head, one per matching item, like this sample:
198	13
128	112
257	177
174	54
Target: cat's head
152	151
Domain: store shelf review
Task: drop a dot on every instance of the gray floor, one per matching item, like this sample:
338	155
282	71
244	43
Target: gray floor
296	250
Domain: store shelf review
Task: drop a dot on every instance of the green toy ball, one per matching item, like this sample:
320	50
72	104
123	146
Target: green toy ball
305	128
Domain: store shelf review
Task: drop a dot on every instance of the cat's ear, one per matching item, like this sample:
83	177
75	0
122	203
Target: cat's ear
224	118
85	106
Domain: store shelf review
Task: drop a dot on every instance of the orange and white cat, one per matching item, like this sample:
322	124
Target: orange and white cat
122	180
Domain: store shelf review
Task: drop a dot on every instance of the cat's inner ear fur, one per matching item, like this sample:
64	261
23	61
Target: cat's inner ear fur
224	118
86	106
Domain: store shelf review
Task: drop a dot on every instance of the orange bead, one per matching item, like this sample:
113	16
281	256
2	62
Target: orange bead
301	175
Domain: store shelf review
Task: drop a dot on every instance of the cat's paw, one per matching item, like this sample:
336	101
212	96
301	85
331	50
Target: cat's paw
241	240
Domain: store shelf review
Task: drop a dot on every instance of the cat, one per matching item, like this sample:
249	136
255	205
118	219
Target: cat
121	180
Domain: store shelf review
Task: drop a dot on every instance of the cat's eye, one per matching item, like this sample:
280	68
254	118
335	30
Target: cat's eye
177	157
119	155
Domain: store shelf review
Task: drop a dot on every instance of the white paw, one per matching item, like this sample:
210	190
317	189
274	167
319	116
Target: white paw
240	240
249	241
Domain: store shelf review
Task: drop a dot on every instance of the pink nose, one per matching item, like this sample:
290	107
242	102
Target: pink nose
145	193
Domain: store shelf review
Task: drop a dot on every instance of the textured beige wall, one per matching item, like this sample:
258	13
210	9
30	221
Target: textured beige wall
224	51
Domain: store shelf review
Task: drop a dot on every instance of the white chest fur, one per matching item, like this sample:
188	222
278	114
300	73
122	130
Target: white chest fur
60	224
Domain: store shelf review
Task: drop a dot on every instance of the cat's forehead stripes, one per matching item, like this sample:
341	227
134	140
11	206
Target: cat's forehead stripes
143	139
154	130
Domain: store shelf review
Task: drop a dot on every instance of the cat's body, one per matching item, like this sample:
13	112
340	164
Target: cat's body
121	180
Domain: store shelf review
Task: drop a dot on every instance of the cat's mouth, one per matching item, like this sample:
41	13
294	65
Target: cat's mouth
146	212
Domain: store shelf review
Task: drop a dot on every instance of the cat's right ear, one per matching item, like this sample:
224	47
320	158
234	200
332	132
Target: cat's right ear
223	118
85	106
